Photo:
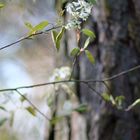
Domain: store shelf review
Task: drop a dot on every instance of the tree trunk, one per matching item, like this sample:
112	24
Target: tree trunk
116	49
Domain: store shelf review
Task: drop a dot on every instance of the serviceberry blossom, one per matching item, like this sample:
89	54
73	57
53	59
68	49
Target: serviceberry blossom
79	12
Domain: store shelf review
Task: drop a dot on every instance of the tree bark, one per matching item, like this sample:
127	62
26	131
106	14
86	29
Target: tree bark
116	49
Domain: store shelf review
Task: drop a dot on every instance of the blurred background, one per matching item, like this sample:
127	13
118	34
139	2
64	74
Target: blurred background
76	112
28	62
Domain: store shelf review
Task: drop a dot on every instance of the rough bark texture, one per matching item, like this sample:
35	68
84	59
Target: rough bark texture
116	49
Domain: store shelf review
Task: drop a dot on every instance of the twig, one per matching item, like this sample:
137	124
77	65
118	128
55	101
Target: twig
32	105
72	80
37	85
87	82
122	73
96	92
28	37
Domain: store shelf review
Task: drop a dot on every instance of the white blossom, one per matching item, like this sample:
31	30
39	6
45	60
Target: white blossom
79	11
73	24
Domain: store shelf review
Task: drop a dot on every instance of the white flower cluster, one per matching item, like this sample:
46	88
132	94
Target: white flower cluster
79	11
61	74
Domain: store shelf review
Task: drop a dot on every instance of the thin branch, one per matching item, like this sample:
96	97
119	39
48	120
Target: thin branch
32	105
97	93
28	37
72	80
87	82
39	85
122	73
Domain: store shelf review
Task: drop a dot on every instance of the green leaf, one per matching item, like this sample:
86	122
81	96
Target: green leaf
2	108
89	33
28	25
90	56
82	108
57	37
87	43
109	98
92	1
36	28
54	35
58	45
119	100
106	96
75	51
1	5
133	105
40	26
60	34
31	110
2	121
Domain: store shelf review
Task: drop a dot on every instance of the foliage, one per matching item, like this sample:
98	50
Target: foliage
57	37
89	33
79	11
38	27
117	101
89	56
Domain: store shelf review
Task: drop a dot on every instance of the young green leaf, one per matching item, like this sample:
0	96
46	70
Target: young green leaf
31	110
58	45
87	43
54	35
1	5
41	26
109	98
36	28
119	100
60	34
59	37
75	51
106	97
133	105
89	33
90	56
